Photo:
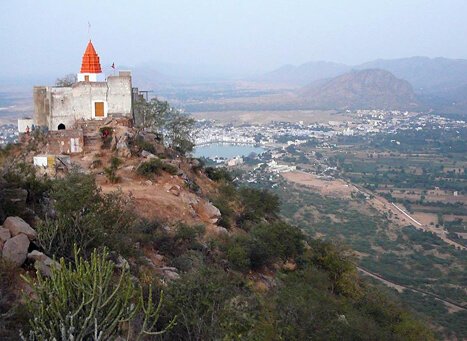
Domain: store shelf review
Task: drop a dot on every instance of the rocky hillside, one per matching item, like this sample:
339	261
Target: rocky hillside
365	89
151	224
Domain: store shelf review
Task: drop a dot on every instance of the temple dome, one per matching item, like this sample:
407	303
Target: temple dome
90	63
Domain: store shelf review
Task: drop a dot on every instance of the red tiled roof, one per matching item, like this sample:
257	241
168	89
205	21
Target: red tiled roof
90	63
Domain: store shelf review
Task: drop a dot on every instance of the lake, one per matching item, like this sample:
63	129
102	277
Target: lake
226	150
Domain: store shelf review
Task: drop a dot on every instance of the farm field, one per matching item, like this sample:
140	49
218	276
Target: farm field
425	174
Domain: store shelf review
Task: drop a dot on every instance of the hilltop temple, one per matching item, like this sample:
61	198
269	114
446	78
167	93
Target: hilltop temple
59	107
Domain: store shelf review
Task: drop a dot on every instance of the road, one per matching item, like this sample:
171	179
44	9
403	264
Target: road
383	205
452	306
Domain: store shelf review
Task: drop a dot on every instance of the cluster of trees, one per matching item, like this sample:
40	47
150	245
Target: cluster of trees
173	126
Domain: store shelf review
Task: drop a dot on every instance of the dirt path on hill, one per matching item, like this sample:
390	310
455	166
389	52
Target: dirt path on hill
402	217
452	307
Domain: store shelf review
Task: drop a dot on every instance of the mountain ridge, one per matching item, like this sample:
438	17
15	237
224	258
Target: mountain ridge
362	89
418	70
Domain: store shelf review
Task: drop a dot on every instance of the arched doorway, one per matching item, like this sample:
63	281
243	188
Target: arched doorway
61	126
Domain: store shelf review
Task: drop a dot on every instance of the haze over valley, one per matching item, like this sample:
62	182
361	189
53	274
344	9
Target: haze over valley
233	170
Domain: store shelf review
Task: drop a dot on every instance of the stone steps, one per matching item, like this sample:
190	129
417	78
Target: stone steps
89	139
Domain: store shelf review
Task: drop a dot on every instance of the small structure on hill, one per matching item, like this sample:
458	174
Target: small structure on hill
58	108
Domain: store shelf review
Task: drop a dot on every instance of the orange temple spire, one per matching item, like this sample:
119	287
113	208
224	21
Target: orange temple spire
90	63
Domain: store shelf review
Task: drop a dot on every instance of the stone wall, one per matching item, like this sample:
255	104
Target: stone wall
65	142
119	96
41	106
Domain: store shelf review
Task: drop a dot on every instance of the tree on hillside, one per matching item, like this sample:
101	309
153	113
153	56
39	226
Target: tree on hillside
67	80
175	127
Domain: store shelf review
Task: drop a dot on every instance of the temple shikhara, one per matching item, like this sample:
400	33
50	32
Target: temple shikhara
90	98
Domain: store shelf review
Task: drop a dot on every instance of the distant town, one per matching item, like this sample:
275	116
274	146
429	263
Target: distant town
279	134
8	134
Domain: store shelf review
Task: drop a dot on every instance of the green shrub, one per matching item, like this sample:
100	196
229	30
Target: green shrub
239	252
186	236
84	302
218	174
84	216
171	169
189	233
155	167
211	305
258	205
111	172
340	266
23	175
96	163
190	260
165	243
276	241
224	201
144	230
227	213
142	144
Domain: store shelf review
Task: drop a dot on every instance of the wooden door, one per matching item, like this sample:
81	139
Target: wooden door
99	109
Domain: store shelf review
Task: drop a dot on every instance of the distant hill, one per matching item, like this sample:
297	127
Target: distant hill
427	75
360	89
424	74
305	73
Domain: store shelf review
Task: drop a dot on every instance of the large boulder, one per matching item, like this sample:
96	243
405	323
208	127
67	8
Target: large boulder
148	155
16	225
211	211
122	146
5	234
15	249
43	263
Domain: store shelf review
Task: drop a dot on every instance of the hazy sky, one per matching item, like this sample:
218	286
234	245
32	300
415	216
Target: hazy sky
49	37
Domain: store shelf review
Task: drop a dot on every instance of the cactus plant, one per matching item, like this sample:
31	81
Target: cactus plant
87	301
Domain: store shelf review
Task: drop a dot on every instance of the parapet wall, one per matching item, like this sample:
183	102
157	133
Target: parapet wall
65	142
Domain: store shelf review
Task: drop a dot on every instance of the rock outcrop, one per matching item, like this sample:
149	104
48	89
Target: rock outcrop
43	263
122	139
17	226
15	249
5	234
148	155
15	238
211	211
